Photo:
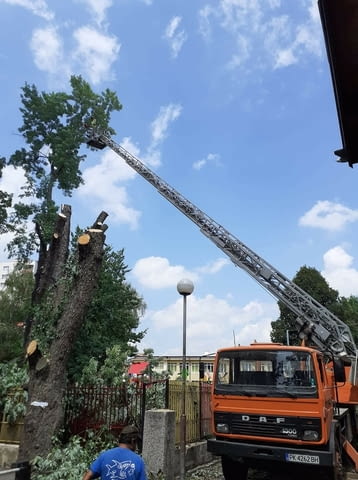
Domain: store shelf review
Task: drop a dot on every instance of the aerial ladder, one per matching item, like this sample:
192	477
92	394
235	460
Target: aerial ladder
327	332
325	329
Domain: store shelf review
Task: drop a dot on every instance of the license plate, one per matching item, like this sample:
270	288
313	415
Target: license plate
297	458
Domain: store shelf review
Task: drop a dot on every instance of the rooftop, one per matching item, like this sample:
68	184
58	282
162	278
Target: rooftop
340	26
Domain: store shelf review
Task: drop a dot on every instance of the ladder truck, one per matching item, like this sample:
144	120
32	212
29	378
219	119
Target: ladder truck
274	405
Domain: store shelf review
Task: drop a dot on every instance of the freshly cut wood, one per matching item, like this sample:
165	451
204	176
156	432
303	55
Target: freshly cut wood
31	348
41	364
84	239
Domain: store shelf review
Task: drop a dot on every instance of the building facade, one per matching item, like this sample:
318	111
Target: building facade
172	365
8	267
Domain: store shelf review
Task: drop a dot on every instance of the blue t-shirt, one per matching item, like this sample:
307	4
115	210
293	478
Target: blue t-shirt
119	463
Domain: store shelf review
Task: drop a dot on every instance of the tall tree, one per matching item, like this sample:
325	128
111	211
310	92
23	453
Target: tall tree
312	282
55	326
54	127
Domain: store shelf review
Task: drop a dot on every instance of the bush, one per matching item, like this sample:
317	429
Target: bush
72	460
13	397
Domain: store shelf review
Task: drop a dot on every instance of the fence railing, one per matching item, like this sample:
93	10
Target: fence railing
197	409
94	407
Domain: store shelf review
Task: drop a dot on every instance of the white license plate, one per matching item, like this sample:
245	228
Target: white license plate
296	457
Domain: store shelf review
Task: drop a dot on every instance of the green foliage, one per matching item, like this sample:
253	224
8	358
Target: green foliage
54	130
111	373
13	397
72	460
346	310
44	318
15	306
312	282
111	320
5	202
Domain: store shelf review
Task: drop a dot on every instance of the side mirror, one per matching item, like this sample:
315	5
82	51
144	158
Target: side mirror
339	371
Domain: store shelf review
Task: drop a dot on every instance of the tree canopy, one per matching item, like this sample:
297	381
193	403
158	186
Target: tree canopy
312	282
54	126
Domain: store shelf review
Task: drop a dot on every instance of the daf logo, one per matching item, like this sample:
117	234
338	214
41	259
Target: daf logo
246	418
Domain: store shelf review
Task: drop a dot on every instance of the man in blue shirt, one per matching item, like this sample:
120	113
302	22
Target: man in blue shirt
121	462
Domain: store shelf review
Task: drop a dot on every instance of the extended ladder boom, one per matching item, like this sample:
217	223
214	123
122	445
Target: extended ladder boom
328	332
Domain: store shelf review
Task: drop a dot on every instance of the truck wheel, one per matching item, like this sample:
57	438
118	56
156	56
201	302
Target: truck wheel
233	470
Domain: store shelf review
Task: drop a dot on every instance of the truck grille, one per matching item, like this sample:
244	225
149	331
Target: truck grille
267	426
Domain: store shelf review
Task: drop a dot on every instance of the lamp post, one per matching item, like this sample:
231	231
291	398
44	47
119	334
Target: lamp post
185	287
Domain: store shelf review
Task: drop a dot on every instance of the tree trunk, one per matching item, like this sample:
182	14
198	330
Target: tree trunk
47	382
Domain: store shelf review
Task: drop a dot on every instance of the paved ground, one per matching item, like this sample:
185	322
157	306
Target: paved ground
212	471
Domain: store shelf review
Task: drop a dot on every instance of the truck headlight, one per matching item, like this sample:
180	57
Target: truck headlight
222	428
311	435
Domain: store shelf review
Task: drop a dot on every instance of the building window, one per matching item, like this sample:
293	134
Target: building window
5	268
209	367
195	367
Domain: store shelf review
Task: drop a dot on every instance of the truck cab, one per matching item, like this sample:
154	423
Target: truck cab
272	402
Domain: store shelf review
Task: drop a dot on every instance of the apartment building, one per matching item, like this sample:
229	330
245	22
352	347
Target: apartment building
9	266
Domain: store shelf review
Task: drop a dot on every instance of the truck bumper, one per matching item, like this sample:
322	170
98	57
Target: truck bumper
269	453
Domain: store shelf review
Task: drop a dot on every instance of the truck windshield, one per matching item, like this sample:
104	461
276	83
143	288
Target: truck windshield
272	373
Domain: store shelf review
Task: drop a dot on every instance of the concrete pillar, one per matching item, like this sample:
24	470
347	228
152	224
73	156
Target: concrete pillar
159	442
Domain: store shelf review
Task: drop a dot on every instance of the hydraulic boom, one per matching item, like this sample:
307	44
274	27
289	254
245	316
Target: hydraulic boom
326	330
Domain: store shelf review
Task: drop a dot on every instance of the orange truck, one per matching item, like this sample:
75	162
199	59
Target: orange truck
274	404
283	406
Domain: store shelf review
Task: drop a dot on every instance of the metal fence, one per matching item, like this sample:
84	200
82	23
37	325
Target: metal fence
197	409
90	407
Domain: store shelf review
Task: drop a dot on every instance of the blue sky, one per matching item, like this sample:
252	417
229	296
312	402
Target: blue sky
231	102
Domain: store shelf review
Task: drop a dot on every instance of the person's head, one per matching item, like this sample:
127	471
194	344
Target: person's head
129	436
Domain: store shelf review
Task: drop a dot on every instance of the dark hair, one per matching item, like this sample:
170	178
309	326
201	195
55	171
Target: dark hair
129	434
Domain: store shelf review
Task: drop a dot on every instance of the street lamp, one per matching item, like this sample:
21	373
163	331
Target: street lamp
185	287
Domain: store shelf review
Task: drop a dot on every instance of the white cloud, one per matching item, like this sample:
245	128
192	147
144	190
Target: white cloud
212	323
175	37
37	7
47	48
11	182
339	272
210	158
160	125
156	272
96	52
98	8
328	216
102	180
263	31
101	186
214	267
